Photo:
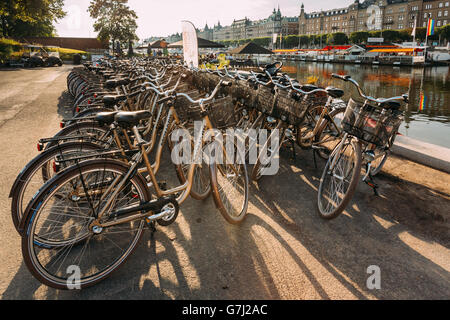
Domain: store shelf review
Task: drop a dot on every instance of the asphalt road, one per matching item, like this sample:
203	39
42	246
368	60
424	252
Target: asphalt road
283	250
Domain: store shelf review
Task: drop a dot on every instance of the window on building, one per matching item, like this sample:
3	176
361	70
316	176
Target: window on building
440	14
400	26
447	4
400	18
441	4
428	6
439	23
445	13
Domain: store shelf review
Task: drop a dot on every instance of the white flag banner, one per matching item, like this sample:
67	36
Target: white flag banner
275	36
413	33
190	44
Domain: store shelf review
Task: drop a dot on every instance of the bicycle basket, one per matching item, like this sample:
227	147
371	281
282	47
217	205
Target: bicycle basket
265	99
291	106
185	110
221	112
243	92
370	124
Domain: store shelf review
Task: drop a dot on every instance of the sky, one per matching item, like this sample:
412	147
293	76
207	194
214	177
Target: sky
163	17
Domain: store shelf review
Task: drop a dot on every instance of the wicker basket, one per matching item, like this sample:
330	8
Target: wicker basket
371	124
289	107
220	111
183	106
265	99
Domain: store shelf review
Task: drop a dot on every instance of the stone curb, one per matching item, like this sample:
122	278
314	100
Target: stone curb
431	155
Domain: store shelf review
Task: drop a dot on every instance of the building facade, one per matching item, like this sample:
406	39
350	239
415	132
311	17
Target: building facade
246	28
375	15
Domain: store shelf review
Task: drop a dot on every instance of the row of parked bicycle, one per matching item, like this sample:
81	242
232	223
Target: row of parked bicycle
85	200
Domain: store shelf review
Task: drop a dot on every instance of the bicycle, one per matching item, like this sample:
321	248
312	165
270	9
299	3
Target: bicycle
367	130
97	196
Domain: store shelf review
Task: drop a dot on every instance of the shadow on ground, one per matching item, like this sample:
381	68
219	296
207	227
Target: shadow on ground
283	250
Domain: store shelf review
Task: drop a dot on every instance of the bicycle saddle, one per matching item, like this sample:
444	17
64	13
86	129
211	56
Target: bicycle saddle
105	117
131	118
110	100
391	105
112	83
271	69
334	92
308	87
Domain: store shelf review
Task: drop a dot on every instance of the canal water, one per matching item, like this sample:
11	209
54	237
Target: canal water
427	116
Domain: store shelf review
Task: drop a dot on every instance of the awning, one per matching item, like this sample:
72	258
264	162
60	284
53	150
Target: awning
159	44
202	43
250	48
397	50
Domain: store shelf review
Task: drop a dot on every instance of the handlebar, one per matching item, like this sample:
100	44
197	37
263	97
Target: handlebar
403	97
201	101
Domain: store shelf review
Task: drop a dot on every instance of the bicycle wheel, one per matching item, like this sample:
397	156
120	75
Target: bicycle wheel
201	184
306	128
329	133
229	184
381	155
91	130
263	163
338	185
59	236
380	159
38	171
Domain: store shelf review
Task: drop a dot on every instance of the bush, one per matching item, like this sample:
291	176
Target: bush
68	54
9	48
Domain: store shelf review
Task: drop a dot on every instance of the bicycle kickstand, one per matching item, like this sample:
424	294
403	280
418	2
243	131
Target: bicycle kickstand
152	226
314	158
293	150
368	179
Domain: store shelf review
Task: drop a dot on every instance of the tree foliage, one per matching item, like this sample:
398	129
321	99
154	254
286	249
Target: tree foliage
115	21
22	18
359	37
337	38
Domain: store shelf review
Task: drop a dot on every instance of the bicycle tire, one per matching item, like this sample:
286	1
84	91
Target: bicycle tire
34	211
23	179
218	173
356	171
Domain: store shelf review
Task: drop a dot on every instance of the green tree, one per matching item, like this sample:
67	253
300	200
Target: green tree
304	41
421	33
390	35
444	32
21	18
337	38
359	37
115	21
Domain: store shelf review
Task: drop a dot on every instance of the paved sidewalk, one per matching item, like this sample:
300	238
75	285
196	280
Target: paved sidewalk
283	250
